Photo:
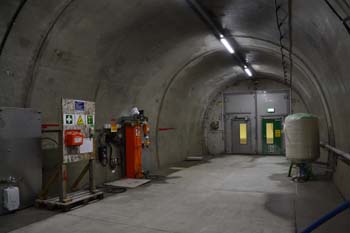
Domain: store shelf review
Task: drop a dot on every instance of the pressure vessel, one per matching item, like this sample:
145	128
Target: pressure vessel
302	139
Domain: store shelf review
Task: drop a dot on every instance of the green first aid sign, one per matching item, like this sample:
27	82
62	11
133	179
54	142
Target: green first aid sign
68	119
90	120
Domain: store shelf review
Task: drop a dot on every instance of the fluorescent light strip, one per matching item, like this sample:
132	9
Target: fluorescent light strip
248	71
227	44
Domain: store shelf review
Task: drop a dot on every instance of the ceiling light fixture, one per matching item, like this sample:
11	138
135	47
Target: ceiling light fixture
226	44
248	71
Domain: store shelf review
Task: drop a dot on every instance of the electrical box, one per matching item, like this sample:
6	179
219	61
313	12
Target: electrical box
20	153
11	198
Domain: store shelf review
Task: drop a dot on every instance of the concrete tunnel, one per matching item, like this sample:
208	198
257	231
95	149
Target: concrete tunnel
166	58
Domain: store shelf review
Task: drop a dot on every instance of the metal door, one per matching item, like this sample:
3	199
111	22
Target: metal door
241	135
272	136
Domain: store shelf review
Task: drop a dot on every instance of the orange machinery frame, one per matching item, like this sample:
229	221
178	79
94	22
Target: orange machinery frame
133	134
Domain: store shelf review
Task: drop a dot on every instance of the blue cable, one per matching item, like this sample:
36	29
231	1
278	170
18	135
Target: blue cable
326	217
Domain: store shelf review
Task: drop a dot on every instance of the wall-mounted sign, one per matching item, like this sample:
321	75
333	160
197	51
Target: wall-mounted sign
271	110
278	133
68	119
79	105
114	126
78	118
90	119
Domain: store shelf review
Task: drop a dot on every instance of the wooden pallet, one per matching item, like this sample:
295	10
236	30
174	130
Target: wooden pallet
128	183
76	199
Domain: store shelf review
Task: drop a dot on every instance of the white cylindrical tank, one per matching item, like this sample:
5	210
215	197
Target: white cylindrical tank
302	138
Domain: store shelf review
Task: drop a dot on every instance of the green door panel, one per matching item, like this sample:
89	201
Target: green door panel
272	136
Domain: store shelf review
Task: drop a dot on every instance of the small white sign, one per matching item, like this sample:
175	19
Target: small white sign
271	110
87	146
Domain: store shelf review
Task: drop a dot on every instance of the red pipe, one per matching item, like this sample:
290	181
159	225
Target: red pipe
45	126
166	129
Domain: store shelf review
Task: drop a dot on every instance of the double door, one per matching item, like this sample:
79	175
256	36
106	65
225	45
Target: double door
243	136
253	121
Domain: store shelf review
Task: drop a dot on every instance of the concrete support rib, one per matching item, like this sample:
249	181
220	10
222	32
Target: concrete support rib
10	24
31	72
172	80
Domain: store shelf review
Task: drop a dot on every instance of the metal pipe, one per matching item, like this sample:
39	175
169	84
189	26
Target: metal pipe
342	154
326	217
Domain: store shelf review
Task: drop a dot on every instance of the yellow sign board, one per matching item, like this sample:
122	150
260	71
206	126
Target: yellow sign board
243	134
277	133
269	133
80	120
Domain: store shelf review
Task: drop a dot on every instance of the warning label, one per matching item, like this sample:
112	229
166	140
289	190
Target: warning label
80	120
277	133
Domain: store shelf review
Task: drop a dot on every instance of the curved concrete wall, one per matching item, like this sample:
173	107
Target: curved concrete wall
159	56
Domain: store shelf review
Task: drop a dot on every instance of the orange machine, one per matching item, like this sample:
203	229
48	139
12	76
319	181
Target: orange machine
136	136
133	150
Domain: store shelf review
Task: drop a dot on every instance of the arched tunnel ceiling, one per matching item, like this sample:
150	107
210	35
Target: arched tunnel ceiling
149	53
321	42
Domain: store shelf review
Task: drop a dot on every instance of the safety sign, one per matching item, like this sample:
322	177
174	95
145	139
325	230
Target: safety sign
79	106
278	133
68	119
80	120
90	119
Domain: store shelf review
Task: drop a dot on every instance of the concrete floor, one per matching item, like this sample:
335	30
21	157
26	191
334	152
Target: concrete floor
242	194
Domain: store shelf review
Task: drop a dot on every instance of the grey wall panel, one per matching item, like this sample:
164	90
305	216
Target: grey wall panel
279	100
239	102
20	151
